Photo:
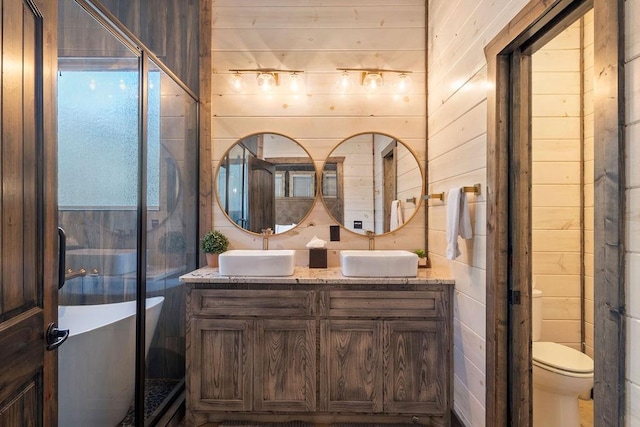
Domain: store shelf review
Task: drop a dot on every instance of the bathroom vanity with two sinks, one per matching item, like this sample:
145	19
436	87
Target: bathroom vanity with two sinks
319	347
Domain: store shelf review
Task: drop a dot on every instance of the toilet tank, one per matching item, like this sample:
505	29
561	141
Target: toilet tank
536	314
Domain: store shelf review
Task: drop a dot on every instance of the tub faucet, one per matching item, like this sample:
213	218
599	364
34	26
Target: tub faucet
372	242
266	232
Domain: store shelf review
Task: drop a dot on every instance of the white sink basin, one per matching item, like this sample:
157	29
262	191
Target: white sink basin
255	262
383	263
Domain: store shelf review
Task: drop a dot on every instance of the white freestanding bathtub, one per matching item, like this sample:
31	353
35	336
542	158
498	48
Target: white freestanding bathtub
96	365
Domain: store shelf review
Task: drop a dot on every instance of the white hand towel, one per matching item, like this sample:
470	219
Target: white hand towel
395	220
458	221
400	214
464	228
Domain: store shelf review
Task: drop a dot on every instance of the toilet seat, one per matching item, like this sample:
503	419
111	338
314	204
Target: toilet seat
562	360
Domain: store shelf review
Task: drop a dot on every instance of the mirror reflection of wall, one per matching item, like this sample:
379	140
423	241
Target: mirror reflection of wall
266	181
371	181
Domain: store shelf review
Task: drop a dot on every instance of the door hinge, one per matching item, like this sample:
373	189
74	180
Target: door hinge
514	297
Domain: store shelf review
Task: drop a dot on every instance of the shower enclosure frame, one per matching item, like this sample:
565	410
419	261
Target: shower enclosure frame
111	23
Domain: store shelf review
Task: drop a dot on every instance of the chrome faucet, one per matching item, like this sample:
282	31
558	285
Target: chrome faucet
372	242
266	232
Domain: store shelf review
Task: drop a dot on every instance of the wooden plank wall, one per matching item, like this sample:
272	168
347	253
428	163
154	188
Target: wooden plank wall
632	72
557	185
358	180
408	183
563	170
457	126
318	36
169	28
588	186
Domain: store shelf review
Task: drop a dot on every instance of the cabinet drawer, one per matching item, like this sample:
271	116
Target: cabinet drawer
423	304
260	303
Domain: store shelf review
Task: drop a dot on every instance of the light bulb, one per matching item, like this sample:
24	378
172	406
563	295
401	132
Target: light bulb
266	81
345	83
237	82
403	85
372	81
296	84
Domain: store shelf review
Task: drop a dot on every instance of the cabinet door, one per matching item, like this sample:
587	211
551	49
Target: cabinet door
221	365
351	365
285	365
416	366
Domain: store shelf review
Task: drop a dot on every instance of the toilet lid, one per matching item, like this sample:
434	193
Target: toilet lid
561	357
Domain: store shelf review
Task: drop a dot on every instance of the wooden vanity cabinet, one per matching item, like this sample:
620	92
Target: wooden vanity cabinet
392	356
323	354
251	350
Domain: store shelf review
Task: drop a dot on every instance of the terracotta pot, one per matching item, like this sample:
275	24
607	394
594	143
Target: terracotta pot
212	260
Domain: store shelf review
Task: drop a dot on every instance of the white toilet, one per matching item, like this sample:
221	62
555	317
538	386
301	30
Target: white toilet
560	375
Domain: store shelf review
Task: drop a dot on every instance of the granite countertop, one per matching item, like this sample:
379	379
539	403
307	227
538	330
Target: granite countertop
315	276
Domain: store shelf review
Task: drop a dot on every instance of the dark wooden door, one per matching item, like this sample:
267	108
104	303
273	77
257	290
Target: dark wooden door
28	232
389	183
262	194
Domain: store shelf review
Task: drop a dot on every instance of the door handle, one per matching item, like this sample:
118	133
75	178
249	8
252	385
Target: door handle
55	337
62	253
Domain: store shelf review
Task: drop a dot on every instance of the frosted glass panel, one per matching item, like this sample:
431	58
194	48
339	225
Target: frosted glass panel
98	139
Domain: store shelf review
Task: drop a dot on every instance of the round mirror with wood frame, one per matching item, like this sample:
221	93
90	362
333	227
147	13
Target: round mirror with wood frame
372	182
266	180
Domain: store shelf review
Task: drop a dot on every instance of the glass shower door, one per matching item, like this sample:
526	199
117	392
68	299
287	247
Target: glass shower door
98	174
128	201
172	201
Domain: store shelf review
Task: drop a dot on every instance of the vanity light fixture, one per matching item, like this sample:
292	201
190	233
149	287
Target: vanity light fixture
295	83
403	84
237	82
267	79
345	83
372	79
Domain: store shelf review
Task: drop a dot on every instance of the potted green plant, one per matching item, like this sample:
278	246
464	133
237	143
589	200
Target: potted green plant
173	245
213	244
422	257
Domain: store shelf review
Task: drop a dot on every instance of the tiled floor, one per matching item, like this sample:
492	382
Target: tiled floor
156	390
586	413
